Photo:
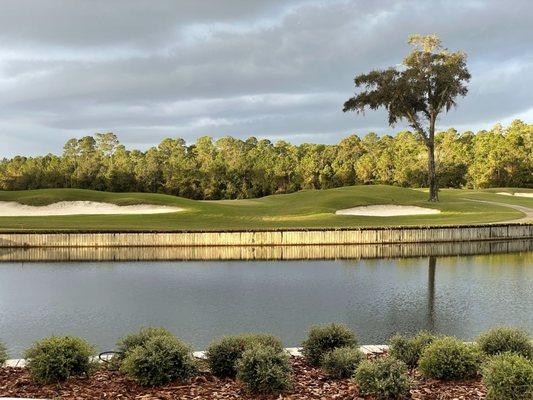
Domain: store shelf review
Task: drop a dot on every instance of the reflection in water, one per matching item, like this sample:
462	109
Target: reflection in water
322	252
432	263
199	301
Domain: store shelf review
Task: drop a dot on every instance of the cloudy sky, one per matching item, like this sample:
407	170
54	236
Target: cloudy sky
279	69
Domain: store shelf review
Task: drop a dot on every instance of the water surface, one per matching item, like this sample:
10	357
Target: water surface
101	301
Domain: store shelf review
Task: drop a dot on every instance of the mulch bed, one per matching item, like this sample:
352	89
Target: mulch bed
309	383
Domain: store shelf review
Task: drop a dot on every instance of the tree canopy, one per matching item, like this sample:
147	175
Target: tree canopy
230	168
427	83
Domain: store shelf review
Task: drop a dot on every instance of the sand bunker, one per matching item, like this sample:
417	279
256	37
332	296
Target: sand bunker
387	210
12	209
517	194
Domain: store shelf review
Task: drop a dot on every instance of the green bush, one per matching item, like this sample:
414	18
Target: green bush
3	354
129	342
450	359
382	378
409	349
264	369
342	362
502	339
322	339
57	358
159	360
223	354
508	376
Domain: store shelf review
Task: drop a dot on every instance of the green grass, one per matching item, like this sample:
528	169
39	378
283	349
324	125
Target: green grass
305	209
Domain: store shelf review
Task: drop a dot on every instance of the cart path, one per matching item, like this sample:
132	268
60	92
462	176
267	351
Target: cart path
526	210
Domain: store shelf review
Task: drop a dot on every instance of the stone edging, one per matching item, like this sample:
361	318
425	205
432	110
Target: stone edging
293	351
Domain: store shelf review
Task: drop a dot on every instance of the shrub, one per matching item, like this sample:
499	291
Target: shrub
409	349
129	342
160	360
223	354
57	358
342	362
448	358
502	339
382	378
508	376
3	354
322	339
264	369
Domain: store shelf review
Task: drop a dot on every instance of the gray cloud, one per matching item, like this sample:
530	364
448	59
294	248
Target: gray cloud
150	69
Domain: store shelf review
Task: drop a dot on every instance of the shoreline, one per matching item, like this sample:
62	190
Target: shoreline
272	237
368	349
512	223
263	253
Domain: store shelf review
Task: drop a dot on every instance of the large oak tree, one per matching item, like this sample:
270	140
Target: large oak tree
427	83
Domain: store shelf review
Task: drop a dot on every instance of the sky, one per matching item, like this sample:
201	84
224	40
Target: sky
276	69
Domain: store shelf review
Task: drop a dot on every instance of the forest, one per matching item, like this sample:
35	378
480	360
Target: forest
231	168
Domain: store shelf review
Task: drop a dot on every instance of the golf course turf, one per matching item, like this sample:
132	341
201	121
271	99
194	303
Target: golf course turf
304	209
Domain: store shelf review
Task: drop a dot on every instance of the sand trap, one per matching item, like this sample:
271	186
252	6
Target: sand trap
517	194
387	210
13	209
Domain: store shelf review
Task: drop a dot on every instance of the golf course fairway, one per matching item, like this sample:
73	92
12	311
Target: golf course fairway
304	209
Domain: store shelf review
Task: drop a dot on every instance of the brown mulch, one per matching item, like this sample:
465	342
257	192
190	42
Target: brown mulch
309	383
426	389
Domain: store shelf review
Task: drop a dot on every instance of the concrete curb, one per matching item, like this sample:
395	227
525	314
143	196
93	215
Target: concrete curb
293	351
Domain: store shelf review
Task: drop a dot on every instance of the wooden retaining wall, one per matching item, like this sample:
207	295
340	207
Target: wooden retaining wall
313	252
270	237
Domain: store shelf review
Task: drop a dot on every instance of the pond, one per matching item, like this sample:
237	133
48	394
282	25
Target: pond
202	300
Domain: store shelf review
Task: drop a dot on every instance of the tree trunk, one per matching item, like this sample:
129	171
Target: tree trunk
432	174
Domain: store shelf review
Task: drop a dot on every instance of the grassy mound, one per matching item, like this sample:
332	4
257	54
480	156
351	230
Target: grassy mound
305	209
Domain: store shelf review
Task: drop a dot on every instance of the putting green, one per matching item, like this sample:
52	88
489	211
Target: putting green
305	209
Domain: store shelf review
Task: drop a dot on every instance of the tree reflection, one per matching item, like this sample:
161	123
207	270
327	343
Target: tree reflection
432	264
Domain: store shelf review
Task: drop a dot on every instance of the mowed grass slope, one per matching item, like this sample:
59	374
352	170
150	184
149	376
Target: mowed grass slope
305	209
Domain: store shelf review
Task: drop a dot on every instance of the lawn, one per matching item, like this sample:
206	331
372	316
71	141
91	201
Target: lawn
305	209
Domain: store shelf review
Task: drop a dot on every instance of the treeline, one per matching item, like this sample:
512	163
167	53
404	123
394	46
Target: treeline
231	168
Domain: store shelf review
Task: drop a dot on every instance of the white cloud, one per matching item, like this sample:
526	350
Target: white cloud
278	69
